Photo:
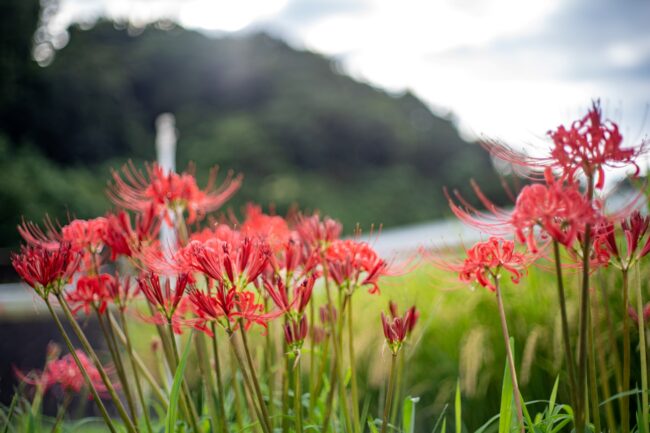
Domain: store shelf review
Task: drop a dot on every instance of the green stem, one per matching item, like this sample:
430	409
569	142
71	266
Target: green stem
249	386
239	416
602	371
253	374
117	361
593	388
510	356
642	351
312	358
568	354
353	373
398	385
136	374
217	367
142	368
389	393
208	381
100	368
581	420
329	404
297	396
188	402
625	415
91	386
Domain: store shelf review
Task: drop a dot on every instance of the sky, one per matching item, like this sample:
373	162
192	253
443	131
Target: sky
507	69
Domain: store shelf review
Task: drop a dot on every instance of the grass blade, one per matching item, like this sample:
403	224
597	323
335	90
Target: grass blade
408	414
505	414
172	413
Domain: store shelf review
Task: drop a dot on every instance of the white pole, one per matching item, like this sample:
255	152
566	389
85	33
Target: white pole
166	156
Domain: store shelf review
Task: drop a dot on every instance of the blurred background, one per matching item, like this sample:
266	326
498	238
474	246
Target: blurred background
363	109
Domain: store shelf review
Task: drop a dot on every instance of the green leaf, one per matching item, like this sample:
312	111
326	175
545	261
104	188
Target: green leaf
505	414
372	426
457	408
443	427
408	414
441	417
172	414
12	407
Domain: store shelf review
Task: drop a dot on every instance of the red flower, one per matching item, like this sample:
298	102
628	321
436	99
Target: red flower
561	211
590	144
635	229
316	233
121	291
272	228
46	269
162	296
229	304
397	328
486	259
91	292
349	260
278	293
239	264
295	332
65	373
177	192
123	239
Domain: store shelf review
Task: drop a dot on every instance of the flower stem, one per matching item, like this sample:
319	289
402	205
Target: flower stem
217	367
642	350
249	387
510	356
187	399
297	396
142	368
93	390
117	361
100	368
593	388
602	367
353	374
389	392
208	381
136	374
625	415
253	375
239	416
568	354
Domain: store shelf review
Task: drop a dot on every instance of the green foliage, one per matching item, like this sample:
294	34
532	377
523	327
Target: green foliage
299	130
174	396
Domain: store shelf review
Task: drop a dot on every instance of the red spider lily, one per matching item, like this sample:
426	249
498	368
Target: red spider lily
162	296
272	228
134	190
91	293
392	307
278	293
229	304
397	328
317	233
240	264
560	210
85	235
65	373
348	260
486	259
121	291
46	269
635	229
590	144
125	239
295	332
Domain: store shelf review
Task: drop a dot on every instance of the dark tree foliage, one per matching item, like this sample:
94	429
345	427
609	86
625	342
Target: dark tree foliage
301	131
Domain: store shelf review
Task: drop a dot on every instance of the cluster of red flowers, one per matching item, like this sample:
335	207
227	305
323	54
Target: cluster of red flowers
218	275
557	209
64	372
